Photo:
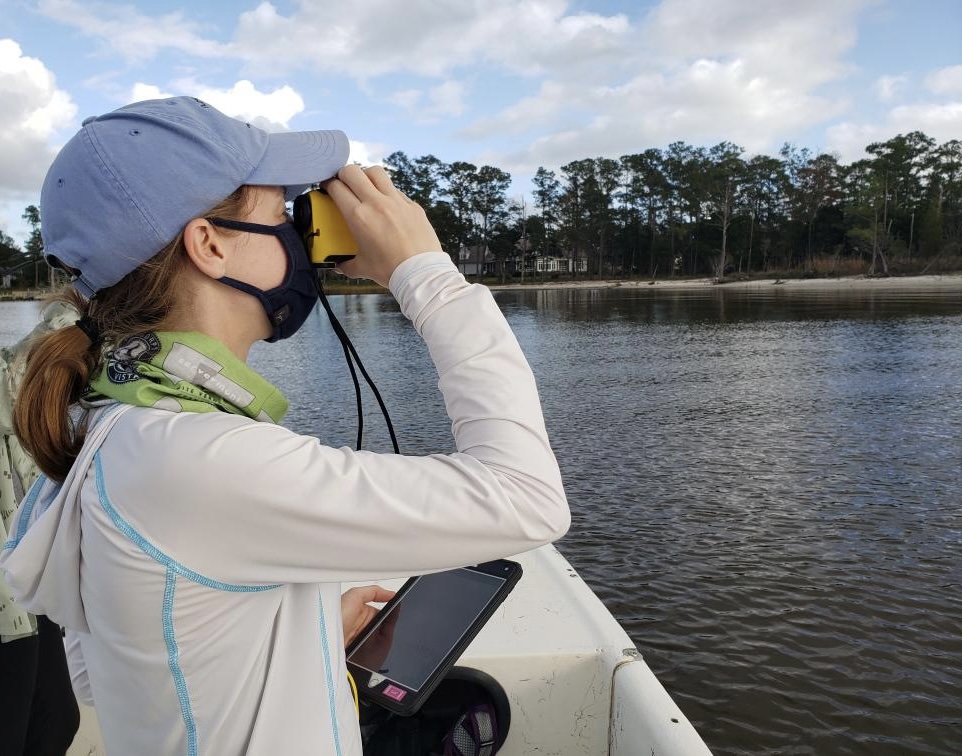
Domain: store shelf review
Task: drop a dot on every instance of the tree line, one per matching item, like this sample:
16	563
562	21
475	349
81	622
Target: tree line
689	210
684	210
24	266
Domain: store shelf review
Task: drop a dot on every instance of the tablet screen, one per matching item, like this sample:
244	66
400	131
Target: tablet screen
414	638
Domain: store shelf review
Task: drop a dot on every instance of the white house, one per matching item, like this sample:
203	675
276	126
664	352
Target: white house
475	260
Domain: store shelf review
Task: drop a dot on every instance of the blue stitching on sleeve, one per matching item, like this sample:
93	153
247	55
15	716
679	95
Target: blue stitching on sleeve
26	510
156	554
173	661
328	675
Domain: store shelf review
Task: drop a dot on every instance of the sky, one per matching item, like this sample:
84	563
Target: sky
516	84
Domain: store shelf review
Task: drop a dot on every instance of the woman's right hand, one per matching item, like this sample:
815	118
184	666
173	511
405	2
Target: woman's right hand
356	609
388	226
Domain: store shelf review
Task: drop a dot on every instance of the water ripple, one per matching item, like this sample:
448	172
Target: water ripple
765	490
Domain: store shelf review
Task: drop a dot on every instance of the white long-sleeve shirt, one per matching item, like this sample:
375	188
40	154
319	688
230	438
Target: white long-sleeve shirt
198	557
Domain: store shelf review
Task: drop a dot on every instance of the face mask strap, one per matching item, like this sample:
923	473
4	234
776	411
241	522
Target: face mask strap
276	315
280	231
236	225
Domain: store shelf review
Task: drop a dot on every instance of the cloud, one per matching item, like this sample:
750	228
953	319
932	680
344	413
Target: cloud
848	140
142	92
530	113
271	111
887	87
406	98
134	36
425	37
693	70
33	111
941	121
368	153
367	39
595	83
945	80
787	41
446	100
705	103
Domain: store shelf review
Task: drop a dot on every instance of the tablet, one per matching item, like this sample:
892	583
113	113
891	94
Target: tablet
402	655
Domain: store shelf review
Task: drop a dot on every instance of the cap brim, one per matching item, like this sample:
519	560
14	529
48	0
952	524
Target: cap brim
297	159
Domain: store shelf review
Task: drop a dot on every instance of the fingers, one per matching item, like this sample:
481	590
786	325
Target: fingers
370	593
388	226
378	594
343	197
355	185
380	178
366	183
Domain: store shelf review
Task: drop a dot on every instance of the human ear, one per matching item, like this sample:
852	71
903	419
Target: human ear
205	248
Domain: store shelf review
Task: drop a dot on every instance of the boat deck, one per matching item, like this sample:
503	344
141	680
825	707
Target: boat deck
576	684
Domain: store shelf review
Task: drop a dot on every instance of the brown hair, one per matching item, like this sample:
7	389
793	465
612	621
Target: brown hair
60	364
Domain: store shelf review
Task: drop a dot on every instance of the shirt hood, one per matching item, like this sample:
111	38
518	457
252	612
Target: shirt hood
41	559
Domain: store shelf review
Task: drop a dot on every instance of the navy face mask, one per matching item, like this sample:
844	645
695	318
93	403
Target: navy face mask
288	305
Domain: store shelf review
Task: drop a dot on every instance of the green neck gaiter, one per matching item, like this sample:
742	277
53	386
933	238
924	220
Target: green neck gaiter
184	372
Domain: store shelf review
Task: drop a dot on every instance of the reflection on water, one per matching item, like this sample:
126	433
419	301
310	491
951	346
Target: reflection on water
772	508
765	489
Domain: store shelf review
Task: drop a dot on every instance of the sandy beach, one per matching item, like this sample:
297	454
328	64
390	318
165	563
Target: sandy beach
941	281
945	282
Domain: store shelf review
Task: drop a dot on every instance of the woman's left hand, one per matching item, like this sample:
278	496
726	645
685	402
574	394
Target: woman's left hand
356	609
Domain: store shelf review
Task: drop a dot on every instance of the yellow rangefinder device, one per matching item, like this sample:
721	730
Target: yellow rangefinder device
322	226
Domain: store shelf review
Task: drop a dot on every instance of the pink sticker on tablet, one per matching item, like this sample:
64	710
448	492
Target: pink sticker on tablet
393	691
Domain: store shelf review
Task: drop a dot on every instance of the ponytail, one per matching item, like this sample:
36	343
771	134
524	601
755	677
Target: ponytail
59	366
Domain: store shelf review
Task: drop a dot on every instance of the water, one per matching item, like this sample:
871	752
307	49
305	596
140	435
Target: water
765	489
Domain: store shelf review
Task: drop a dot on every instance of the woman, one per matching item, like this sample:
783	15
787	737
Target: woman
38	711
193	547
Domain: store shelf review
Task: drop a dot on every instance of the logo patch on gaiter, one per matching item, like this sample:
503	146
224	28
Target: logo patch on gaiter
122	361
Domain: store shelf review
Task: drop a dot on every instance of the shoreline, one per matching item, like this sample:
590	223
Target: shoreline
939	281
929	281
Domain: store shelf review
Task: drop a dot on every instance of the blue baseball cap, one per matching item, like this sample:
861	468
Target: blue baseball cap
129	181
